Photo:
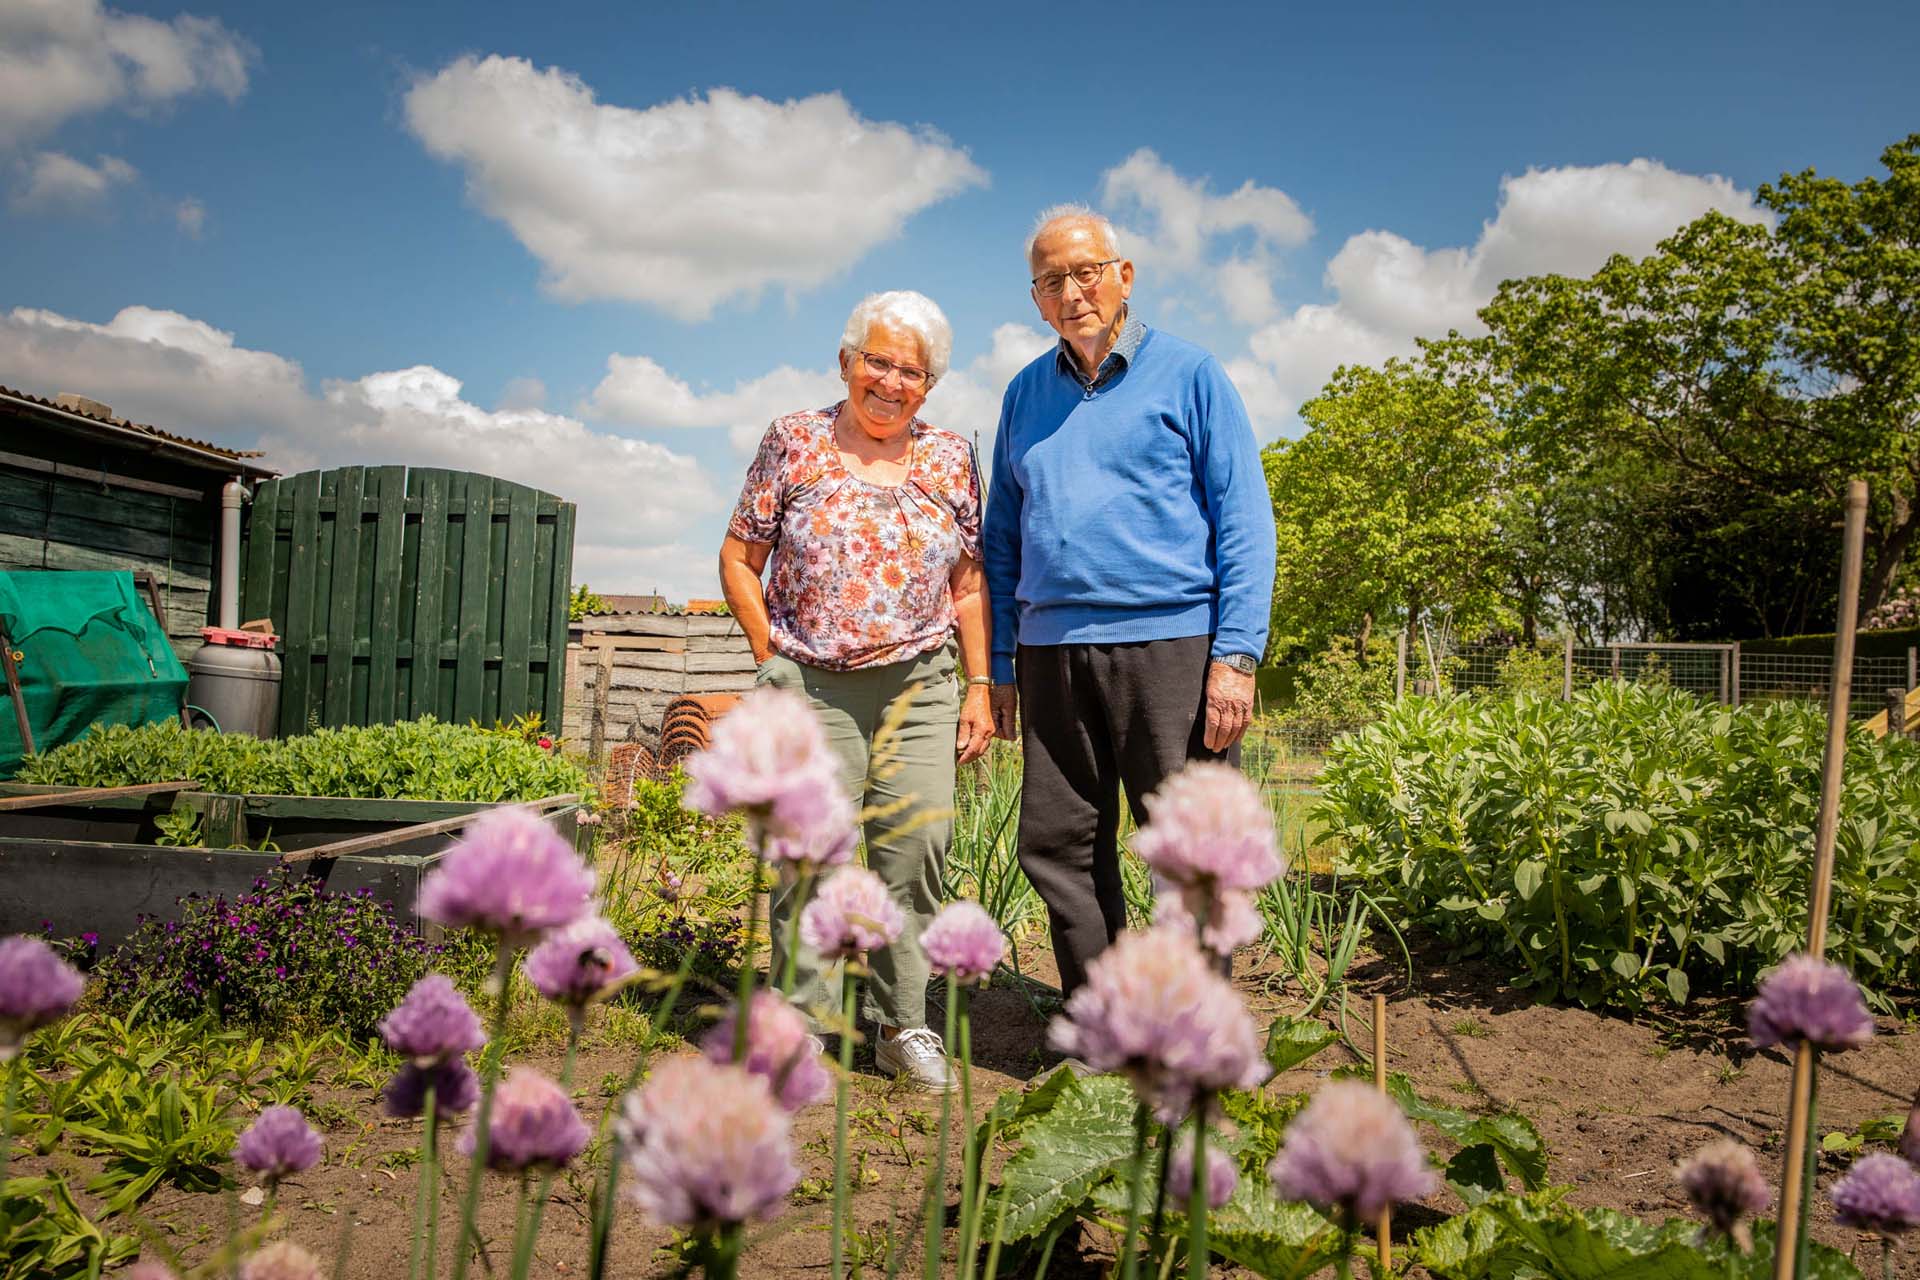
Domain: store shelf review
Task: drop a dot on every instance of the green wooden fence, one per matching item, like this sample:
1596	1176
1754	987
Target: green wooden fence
401	593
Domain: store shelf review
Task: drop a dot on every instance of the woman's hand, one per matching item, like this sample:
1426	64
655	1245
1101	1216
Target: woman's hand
976	725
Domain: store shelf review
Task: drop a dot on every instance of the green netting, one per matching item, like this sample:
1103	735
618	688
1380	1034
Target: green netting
90	653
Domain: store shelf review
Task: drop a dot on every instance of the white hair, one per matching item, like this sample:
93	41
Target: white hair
1072	213
916	313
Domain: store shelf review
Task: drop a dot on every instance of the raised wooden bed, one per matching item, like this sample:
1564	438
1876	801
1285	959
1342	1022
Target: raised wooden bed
84	861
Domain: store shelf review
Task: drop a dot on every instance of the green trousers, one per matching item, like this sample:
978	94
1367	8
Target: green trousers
911	769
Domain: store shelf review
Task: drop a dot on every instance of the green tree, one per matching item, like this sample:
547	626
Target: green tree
1387	506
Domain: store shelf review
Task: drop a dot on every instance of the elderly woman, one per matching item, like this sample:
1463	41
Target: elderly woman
871	519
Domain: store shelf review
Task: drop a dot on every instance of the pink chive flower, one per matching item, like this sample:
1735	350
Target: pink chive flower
36	987
1222	1175
706	1146
147	1271
1154	1008
963	942
277	1143
1724	1182
778	1050
1233	920
580	963
1880	1193
768	759
455	1089
1210	830
511	874
432	1023
827	842
533	1125
281	1260
1812	1000
852	912
1351	1151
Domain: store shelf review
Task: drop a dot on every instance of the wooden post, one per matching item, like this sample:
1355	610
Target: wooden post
1383	1230
1735	663
1896	713
1913	667
1820	892
15	692
1614	649
1400	665
1566	665
597	738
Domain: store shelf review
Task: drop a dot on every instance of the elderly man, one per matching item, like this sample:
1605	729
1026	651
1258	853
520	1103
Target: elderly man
1128	546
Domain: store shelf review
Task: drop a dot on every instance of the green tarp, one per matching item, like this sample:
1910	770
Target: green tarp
90	653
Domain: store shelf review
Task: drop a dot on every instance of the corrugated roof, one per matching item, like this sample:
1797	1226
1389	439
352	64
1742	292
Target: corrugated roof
182	446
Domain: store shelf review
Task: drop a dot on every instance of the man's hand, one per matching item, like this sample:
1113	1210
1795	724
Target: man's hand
1229	705
1006	702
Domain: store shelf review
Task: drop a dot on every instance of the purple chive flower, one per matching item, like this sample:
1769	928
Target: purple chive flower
533	1125
827	842
851	913
1351	1151
768	758
1724	1182
1222	1175
1812	1000
580	963
963	942
706	1146
511	874
1880	1193
148	1271
281	1260
1155	1009
277	1143
36	987
778	1051
1209	831
1232	919
433	1023
455	1089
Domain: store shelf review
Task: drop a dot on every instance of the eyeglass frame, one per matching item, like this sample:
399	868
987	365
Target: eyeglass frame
894	366
1069	274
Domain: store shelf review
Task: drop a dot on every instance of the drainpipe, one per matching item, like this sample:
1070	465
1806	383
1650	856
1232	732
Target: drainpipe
232	495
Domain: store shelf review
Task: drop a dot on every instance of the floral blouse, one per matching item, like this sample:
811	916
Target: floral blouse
859	573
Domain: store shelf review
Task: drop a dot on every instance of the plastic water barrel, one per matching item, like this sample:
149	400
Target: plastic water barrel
233	683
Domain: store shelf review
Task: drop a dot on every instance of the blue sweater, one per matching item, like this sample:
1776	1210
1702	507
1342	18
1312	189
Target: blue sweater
1137	510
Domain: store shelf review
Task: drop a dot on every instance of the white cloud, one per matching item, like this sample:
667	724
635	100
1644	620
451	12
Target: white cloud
1387	291
191	217
685	204
183	374
64	58
1184	236
54	180
523	393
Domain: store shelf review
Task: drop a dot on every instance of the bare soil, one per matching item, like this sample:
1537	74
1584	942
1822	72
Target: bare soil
1619	1102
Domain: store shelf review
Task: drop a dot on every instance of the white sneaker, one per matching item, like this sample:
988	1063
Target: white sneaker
918	1055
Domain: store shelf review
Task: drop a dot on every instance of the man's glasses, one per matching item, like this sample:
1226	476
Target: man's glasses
911	378
1086	275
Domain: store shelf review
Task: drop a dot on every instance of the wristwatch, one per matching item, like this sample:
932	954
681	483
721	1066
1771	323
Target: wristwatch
1245	663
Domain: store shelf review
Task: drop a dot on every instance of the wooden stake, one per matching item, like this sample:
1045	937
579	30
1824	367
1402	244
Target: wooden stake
1820	892
1384	1228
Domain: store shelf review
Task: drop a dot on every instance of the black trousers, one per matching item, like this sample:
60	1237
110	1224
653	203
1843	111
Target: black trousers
1096	718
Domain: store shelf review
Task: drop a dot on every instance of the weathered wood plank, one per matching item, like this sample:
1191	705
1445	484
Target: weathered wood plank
429	586
399	835
383	675
303	567
476	536
517	609
736	643
559	592
739	660
651	663
639	624
83	795
344	591
700	624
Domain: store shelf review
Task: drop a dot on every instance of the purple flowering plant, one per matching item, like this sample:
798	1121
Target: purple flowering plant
288	953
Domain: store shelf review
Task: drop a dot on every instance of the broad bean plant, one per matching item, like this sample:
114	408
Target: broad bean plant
1630	844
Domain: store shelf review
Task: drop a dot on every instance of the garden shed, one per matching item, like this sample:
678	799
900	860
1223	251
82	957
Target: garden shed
82	489
624	669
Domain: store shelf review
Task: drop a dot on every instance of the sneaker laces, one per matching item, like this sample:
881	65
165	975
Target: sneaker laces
922	1043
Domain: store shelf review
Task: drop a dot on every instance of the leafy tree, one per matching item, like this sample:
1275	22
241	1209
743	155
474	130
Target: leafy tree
1387	506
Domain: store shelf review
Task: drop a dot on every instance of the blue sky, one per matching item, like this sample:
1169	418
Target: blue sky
597	246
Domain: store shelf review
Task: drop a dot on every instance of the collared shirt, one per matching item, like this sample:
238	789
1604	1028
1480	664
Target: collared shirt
1133	332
